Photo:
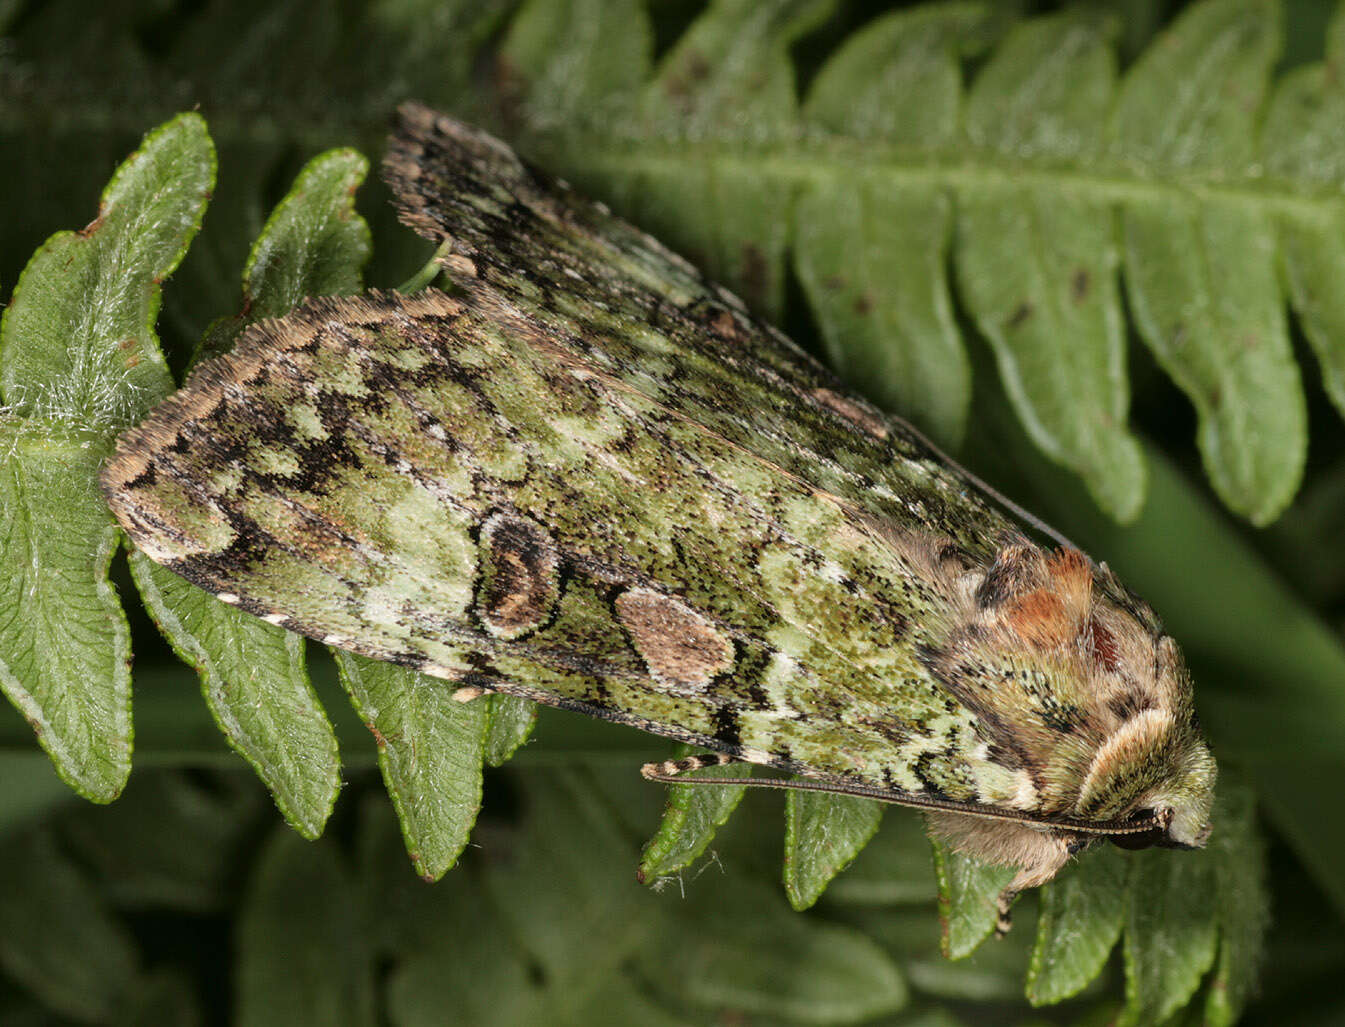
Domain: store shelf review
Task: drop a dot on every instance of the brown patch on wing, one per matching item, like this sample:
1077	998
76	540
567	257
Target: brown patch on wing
680	646
1041	620
1054	612
1071	577
519	587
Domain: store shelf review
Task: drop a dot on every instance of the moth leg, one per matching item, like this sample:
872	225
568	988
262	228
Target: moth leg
1050	858
671	770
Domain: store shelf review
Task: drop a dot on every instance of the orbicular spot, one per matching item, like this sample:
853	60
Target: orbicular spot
682	648
519	584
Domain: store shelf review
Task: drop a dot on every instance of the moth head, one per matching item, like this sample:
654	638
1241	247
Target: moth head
1159	758
1180	810
1072	673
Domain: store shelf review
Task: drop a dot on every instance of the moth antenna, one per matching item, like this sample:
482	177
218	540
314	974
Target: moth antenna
673	771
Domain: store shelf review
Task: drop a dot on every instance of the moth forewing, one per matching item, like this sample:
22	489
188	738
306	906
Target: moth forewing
592	479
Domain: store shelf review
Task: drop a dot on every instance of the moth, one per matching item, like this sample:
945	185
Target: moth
588	477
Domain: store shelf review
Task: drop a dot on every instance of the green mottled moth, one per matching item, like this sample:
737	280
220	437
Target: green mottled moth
592	479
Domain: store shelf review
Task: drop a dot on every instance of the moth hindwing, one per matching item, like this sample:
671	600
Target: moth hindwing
590	478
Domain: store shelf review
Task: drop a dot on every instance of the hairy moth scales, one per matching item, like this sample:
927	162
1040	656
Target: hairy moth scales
590	478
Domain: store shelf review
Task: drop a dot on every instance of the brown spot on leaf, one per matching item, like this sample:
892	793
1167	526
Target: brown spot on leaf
93	225
863	304
696	66
1080	284
1020	316
681	84
519	586
680	646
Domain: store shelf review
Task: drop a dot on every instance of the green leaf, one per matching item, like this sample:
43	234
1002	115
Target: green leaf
968	894
1216	324
1239	858
823	833
1200	270
730	67
254	679
1037	267
1190	101
893	868
511	722
576	60
1302	141
313	244
1082	912
78	360
1170	938
64	645
897	79
690	819
882	300
721	152
57	936
77	343
1035	175
1047	89
430	750
881	297
735	947
303	956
